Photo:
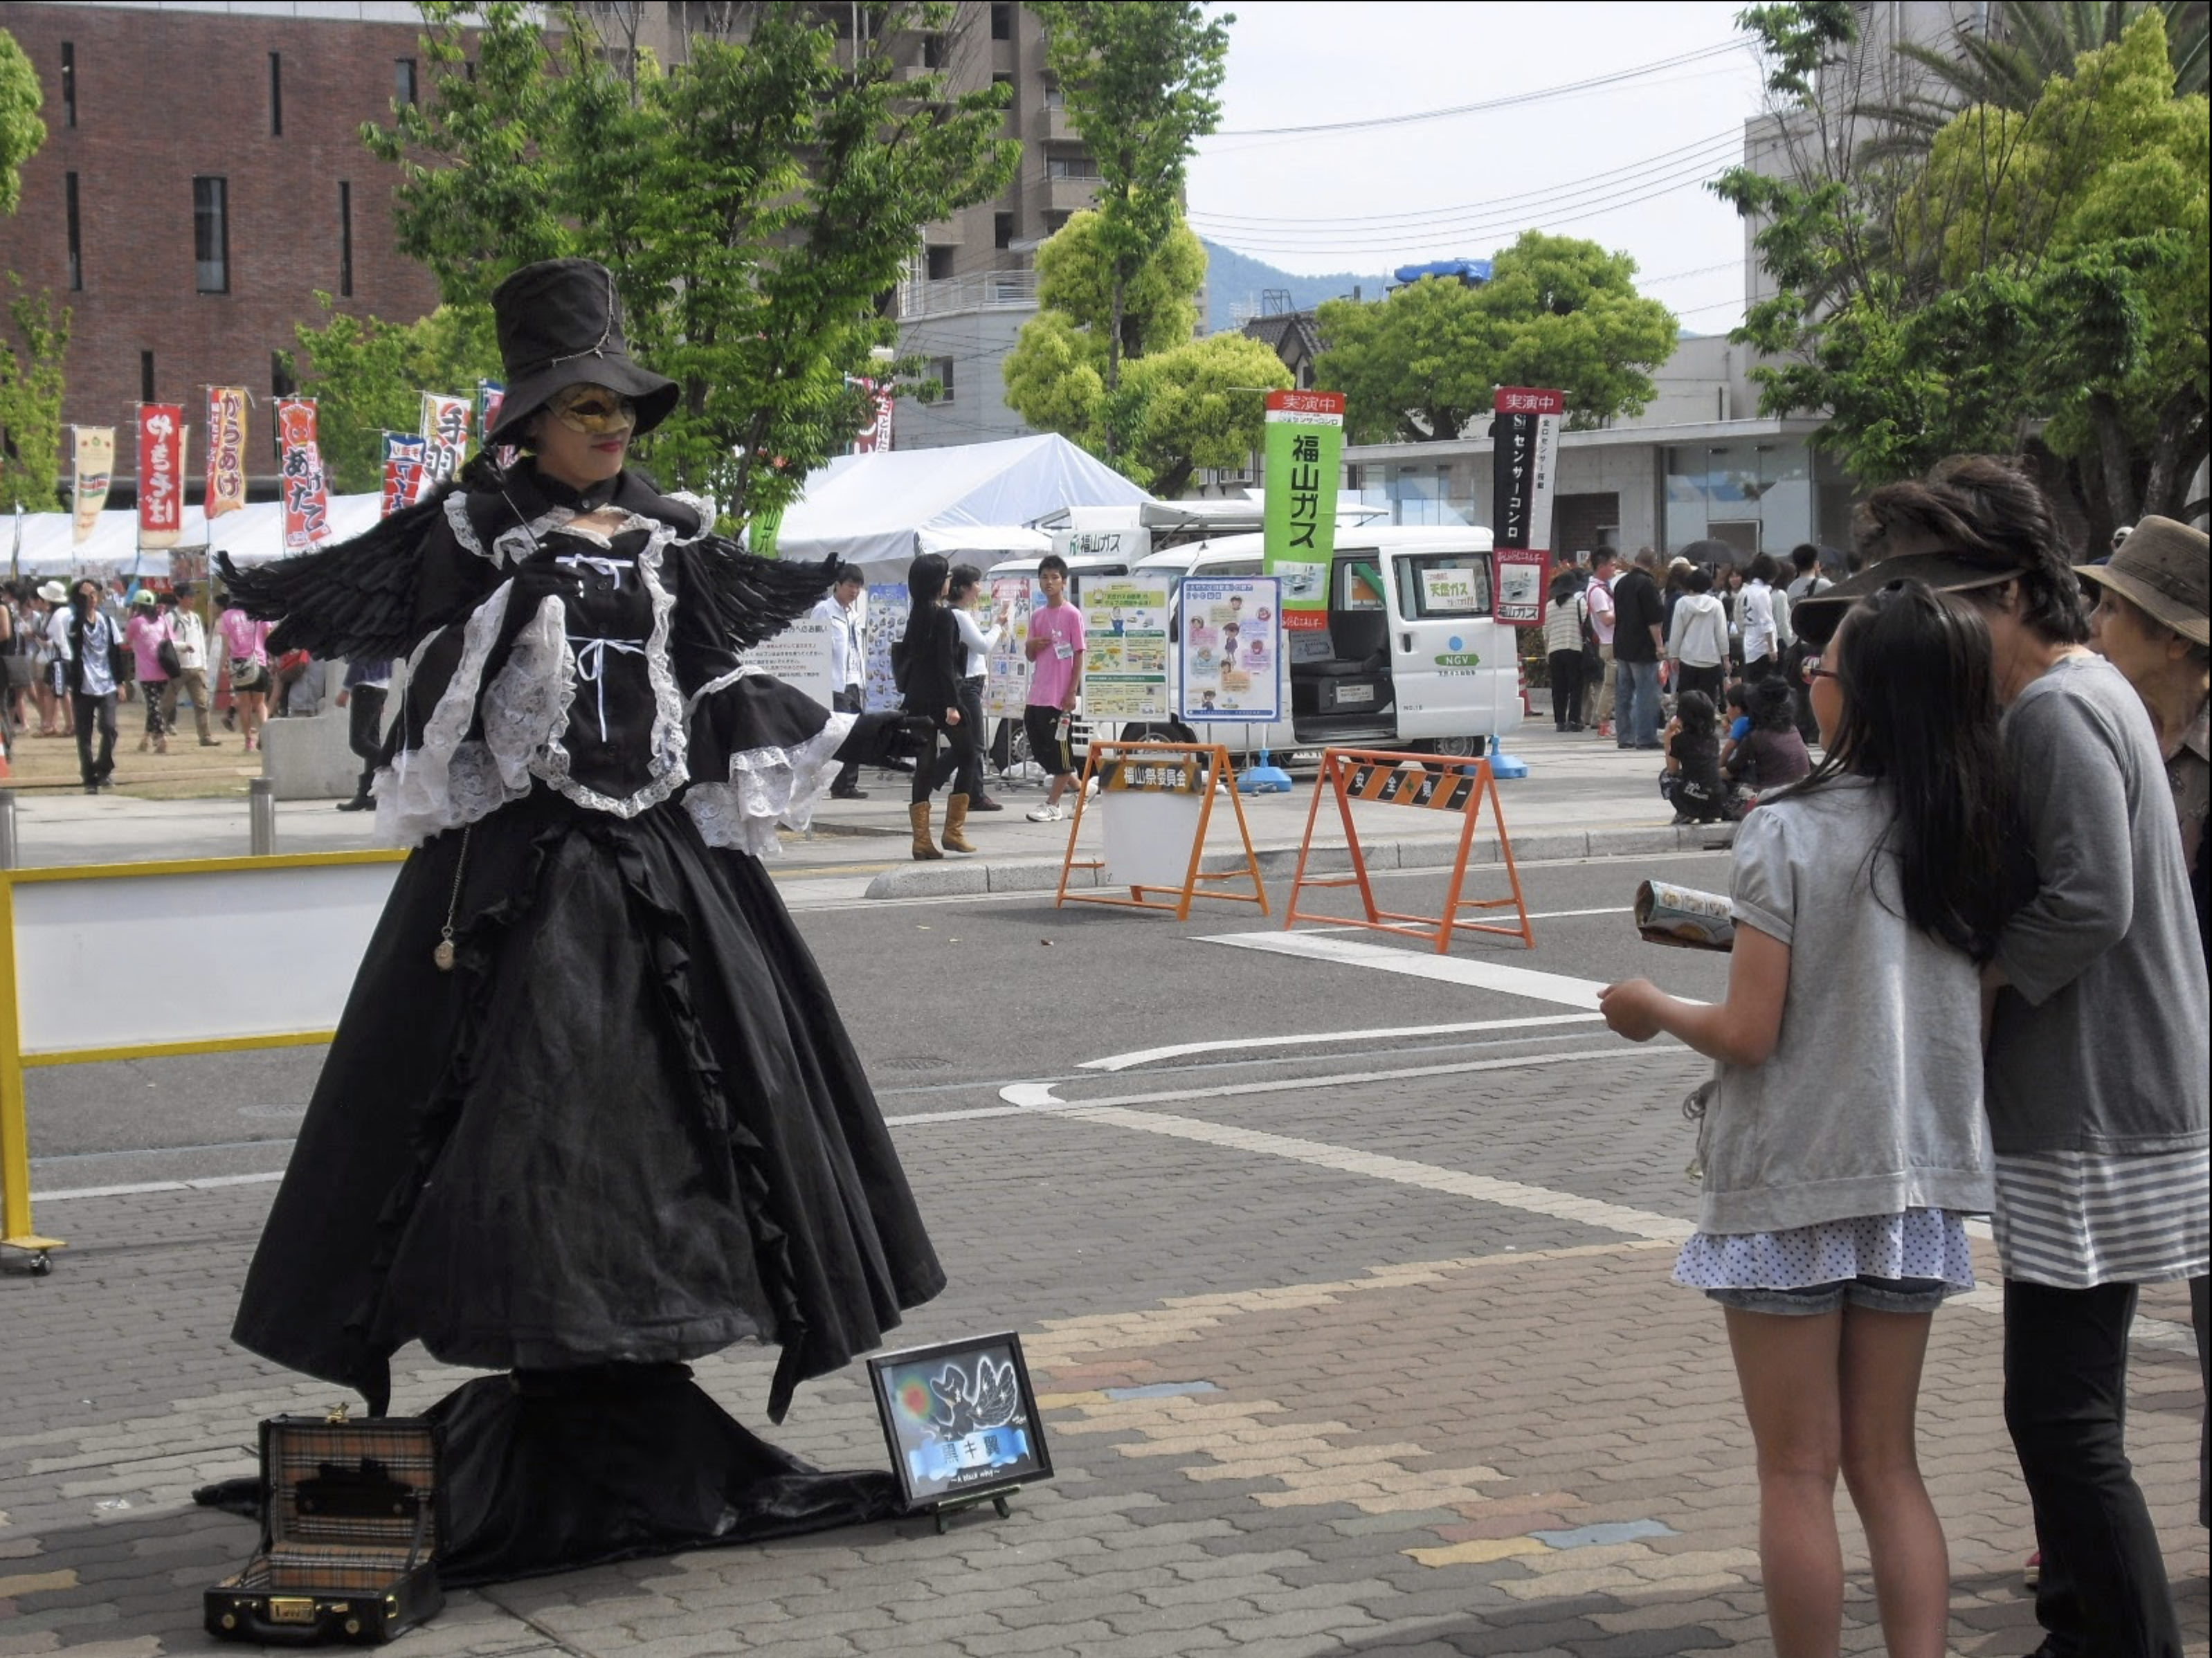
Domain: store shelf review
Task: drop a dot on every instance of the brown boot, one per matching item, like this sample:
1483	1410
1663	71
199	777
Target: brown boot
955	820
918	815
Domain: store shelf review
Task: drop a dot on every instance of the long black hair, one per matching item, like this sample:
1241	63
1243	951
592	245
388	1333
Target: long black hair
1920	713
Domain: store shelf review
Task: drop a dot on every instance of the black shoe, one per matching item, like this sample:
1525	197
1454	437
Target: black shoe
849	794
984	803
359	803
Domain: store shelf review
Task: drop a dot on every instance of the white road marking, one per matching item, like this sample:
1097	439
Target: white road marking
1237	1045
209	1184
1451	969
1039	1096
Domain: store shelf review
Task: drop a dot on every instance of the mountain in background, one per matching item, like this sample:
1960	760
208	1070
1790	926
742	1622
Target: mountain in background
1234	279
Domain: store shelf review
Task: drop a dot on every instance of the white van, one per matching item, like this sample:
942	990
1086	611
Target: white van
1405	663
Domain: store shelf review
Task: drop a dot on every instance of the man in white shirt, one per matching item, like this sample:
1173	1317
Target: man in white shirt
189	635
1762	639
1600	600
848	663
88	640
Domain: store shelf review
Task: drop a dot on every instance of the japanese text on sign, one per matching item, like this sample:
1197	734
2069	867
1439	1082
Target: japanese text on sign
226	461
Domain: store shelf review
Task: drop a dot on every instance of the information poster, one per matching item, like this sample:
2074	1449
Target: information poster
883	624
1125	646
798	656
1006	672
1231	649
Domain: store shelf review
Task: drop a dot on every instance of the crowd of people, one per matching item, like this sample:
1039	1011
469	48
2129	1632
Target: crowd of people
1969	977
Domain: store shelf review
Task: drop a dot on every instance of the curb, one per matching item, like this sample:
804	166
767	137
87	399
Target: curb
967	877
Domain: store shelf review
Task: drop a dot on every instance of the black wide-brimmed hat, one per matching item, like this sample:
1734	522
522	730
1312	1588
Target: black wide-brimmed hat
560	324
2162	568
1946	570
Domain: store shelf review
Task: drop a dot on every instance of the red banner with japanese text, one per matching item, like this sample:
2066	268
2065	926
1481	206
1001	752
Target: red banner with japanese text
403	472
882	400
160	474
226	450
306	500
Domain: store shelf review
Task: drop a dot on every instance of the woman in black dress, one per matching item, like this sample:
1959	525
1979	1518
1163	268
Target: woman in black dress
590	1112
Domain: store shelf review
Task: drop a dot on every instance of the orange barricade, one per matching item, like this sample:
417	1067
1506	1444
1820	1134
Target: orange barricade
1438	785
1163	768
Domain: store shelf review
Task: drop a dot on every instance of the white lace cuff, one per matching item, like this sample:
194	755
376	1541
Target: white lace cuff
768	788
447	781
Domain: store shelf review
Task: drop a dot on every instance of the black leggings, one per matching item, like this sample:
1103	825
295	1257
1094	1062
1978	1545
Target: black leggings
961	755
1567	687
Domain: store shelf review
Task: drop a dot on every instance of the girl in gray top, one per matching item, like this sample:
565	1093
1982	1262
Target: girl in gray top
1843	1137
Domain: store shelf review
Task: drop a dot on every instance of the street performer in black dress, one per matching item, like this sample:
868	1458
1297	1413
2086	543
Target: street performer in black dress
591	1112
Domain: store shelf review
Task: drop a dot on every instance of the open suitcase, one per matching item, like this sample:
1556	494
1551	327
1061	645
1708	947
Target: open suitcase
351	1517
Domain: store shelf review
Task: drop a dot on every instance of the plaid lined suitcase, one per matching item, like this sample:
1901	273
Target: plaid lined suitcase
352	1513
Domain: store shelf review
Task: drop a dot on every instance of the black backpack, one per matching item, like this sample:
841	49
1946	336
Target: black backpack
903	650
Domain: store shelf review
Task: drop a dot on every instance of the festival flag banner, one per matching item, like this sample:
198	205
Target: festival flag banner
446	438
877	434
226	450
1524	466
92	470
491	398
160	474
306	501
403	472
1305	439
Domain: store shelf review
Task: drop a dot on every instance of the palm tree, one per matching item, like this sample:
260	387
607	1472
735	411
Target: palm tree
2007	68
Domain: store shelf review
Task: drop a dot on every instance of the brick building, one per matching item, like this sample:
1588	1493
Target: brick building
202	177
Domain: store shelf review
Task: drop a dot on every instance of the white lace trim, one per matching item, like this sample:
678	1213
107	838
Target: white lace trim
767	787
446	781
526	701
671	743
510	545
722	682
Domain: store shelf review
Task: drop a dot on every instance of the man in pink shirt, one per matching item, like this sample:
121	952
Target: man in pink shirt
1600	598
1055	654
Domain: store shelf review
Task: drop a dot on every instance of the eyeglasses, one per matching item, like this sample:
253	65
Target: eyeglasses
1811	669
593	410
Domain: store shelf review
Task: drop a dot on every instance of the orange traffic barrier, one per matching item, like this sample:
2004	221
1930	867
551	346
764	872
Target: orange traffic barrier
1423	782
1137	770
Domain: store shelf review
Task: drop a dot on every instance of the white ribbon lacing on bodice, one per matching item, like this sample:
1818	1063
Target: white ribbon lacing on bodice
590	666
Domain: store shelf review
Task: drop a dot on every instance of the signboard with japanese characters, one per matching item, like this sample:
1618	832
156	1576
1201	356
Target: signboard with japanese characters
881	399
403	472
226	450
160	474
445	438
306	501
1124	663
1232	655
798	656
1524	476
1305	439
92	470
1006	670
491	398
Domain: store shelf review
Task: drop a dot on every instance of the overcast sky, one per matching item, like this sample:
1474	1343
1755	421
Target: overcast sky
1621	164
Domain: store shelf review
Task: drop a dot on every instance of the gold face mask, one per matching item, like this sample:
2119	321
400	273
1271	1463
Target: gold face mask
593	410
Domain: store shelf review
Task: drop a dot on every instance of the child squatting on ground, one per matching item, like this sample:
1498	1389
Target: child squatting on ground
1841	1137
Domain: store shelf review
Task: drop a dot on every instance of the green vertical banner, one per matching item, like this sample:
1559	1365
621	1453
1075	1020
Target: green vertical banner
1305	443
762	532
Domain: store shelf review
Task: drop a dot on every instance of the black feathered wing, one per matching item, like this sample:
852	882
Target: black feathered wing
757	598
356	600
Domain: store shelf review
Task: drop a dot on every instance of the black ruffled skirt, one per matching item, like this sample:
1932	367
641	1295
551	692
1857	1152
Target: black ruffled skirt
627	1128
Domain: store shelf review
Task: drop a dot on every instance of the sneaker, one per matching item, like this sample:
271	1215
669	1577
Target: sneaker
2031	1574
1044	814
1091	789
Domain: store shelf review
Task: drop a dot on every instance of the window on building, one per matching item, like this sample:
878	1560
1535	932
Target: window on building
1053	98
940	370
69	83
276	94
1007	82
1054	222
345	239
403	80
146	376
933	52
281	383
1002	22
75	233
211	235
939	263
1070	167
1002	230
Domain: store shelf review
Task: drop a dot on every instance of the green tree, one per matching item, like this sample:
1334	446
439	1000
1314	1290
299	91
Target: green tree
2035	277
1182	403
755	202
1139	77
368	377
21	131
30	386
1558	311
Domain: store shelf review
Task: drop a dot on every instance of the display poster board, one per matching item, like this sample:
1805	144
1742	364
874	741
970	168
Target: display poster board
961	1420
1520	580
798	656
1006	674
1231	649
1125	649
882	626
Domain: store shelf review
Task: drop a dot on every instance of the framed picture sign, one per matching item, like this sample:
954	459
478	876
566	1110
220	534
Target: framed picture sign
961	1422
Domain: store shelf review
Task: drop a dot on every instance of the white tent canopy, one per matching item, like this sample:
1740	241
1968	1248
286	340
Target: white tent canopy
972	501
250	534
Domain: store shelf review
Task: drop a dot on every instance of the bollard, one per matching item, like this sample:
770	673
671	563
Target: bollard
6	828
261	816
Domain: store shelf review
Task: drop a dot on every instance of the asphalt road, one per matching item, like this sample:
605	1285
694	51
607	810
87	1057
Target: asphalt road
953	1002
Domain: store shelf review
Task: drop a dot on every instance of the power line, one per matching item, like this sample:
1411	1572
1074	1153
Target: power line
1510	101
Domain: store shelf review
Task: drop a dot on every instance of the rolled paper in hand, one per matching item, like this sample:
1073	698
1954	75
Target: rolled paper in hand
1681	916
